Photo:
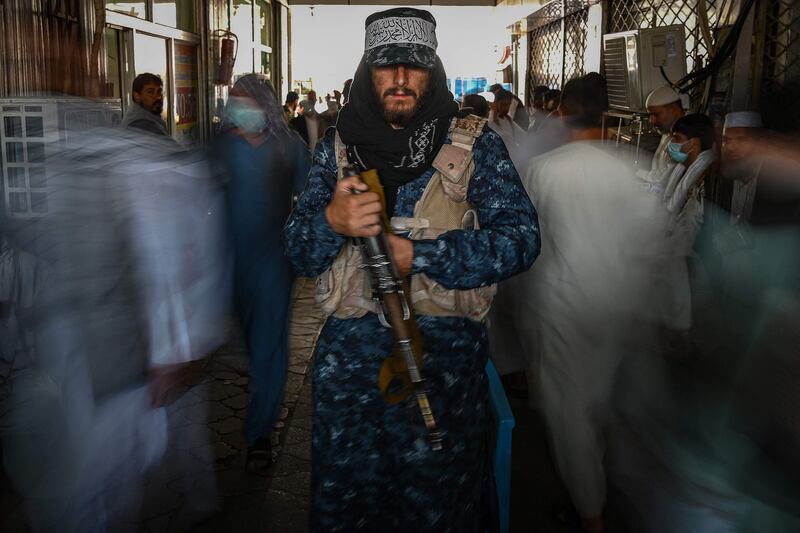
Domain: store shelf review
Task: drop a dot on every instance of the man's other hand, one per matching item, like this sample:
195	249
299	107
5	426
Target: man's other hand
167	383
402	253
354	215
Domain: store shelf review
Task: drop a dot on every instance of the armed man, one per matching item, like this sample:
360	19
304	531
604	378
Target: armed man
449	185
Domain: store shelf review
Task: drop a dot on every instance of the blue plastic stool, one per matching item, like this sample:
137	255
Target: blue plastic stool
503	426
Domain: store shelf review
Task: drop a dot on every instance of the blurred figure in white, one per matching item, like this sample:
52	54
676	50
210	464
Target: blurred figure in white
538	110
133	240
501	122
721	453
516	109
583	305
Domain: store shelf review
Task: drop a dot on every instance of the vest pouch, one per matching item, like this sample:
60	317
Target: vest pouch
341	289
431	298
454	165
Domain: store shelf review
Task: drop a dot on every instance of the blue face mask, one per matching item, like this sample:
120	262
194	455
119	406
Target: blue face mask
675	153
246	116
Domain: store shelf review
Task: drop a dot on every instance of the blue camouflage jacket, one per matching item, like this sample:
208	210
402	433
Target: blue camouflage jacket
507	243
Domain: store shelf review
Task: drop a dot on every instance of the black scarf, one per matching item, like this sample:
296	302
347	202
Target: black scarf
399	155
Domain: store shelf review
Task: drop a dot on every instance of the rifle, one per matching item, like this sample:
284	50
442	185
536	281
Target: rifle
391	293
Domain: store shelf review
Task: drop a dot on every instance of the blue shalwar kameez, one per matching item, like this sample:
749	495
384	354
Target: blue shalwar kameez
259	192
372	467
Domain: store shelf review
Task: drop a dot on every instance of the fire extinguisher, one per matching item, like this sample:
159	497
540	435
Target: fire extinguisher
229	48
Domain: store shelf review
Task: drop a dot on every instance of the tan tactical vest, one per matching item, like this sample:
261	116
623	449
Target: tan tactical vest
344	290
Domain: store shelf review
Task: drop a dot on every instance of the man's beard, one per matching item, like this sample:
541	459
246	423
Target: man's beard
401	117
742	169
156	109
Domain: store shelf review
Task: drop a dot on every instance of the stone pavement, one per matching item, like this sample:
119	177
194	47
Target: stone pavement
277	502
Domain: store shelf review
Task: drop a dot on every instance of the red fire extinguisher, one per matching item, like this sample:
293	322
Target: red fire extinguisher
229	47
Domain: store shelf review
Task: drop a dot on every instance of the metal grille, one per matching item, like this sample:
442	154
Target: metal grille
575	43
780	80
41	43
557	45
625	15
546	52
616	74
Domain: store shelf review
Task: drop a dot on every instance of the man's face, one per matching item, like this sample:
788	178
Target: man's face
312	97
151	98
688	146
664	116
738	144
400	89
740	159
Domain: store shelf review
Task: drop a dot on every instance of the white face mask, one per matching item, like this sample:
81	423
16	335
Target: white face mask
246	116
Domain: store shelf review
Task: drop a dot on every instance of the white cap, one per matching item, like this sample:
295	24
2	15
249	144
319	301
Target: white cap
743	119
662	96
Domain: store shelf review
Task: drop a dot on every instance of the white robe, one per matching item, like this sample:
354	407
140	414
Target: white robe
662	164
581	301
513	136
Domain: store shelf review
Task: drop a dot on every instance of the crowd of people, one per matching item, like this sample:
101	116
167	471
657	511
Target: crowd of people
650	327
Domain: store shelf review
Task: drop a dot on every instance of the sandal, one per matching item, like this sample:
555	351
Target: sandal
259	457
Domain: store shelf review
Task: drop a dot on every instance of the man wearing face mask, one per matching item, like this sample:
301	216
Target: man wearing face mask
148	103
691	151
267	164
664	107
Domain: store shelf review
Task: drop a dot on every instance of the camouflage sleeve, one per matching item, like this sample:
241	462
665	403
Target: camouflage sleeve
311	243
508	239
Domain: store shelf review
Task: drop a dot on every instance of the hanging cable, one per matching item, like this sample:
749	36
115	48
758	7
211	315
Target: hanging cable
693	79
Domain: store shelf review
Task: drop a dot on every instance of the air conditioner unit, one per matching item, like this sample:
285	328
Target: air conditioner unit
33	128
636	62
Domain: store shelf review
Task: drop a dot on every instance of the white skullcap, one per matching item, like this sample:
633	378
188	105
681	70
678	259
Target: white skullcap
743	119
662	96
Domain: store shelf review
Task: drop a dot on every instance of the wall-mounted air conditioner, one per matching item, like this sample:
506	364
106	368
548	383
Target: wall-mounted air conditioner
638	61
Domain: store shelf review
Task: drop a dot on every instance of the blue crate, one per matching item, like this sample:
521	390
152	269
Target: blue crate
503	426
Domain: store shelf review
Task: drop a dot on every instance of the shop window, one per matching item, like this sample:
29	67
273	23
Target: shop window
179	14
263	22
134	9
242	26
113	84
22	146
252	22
266	64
